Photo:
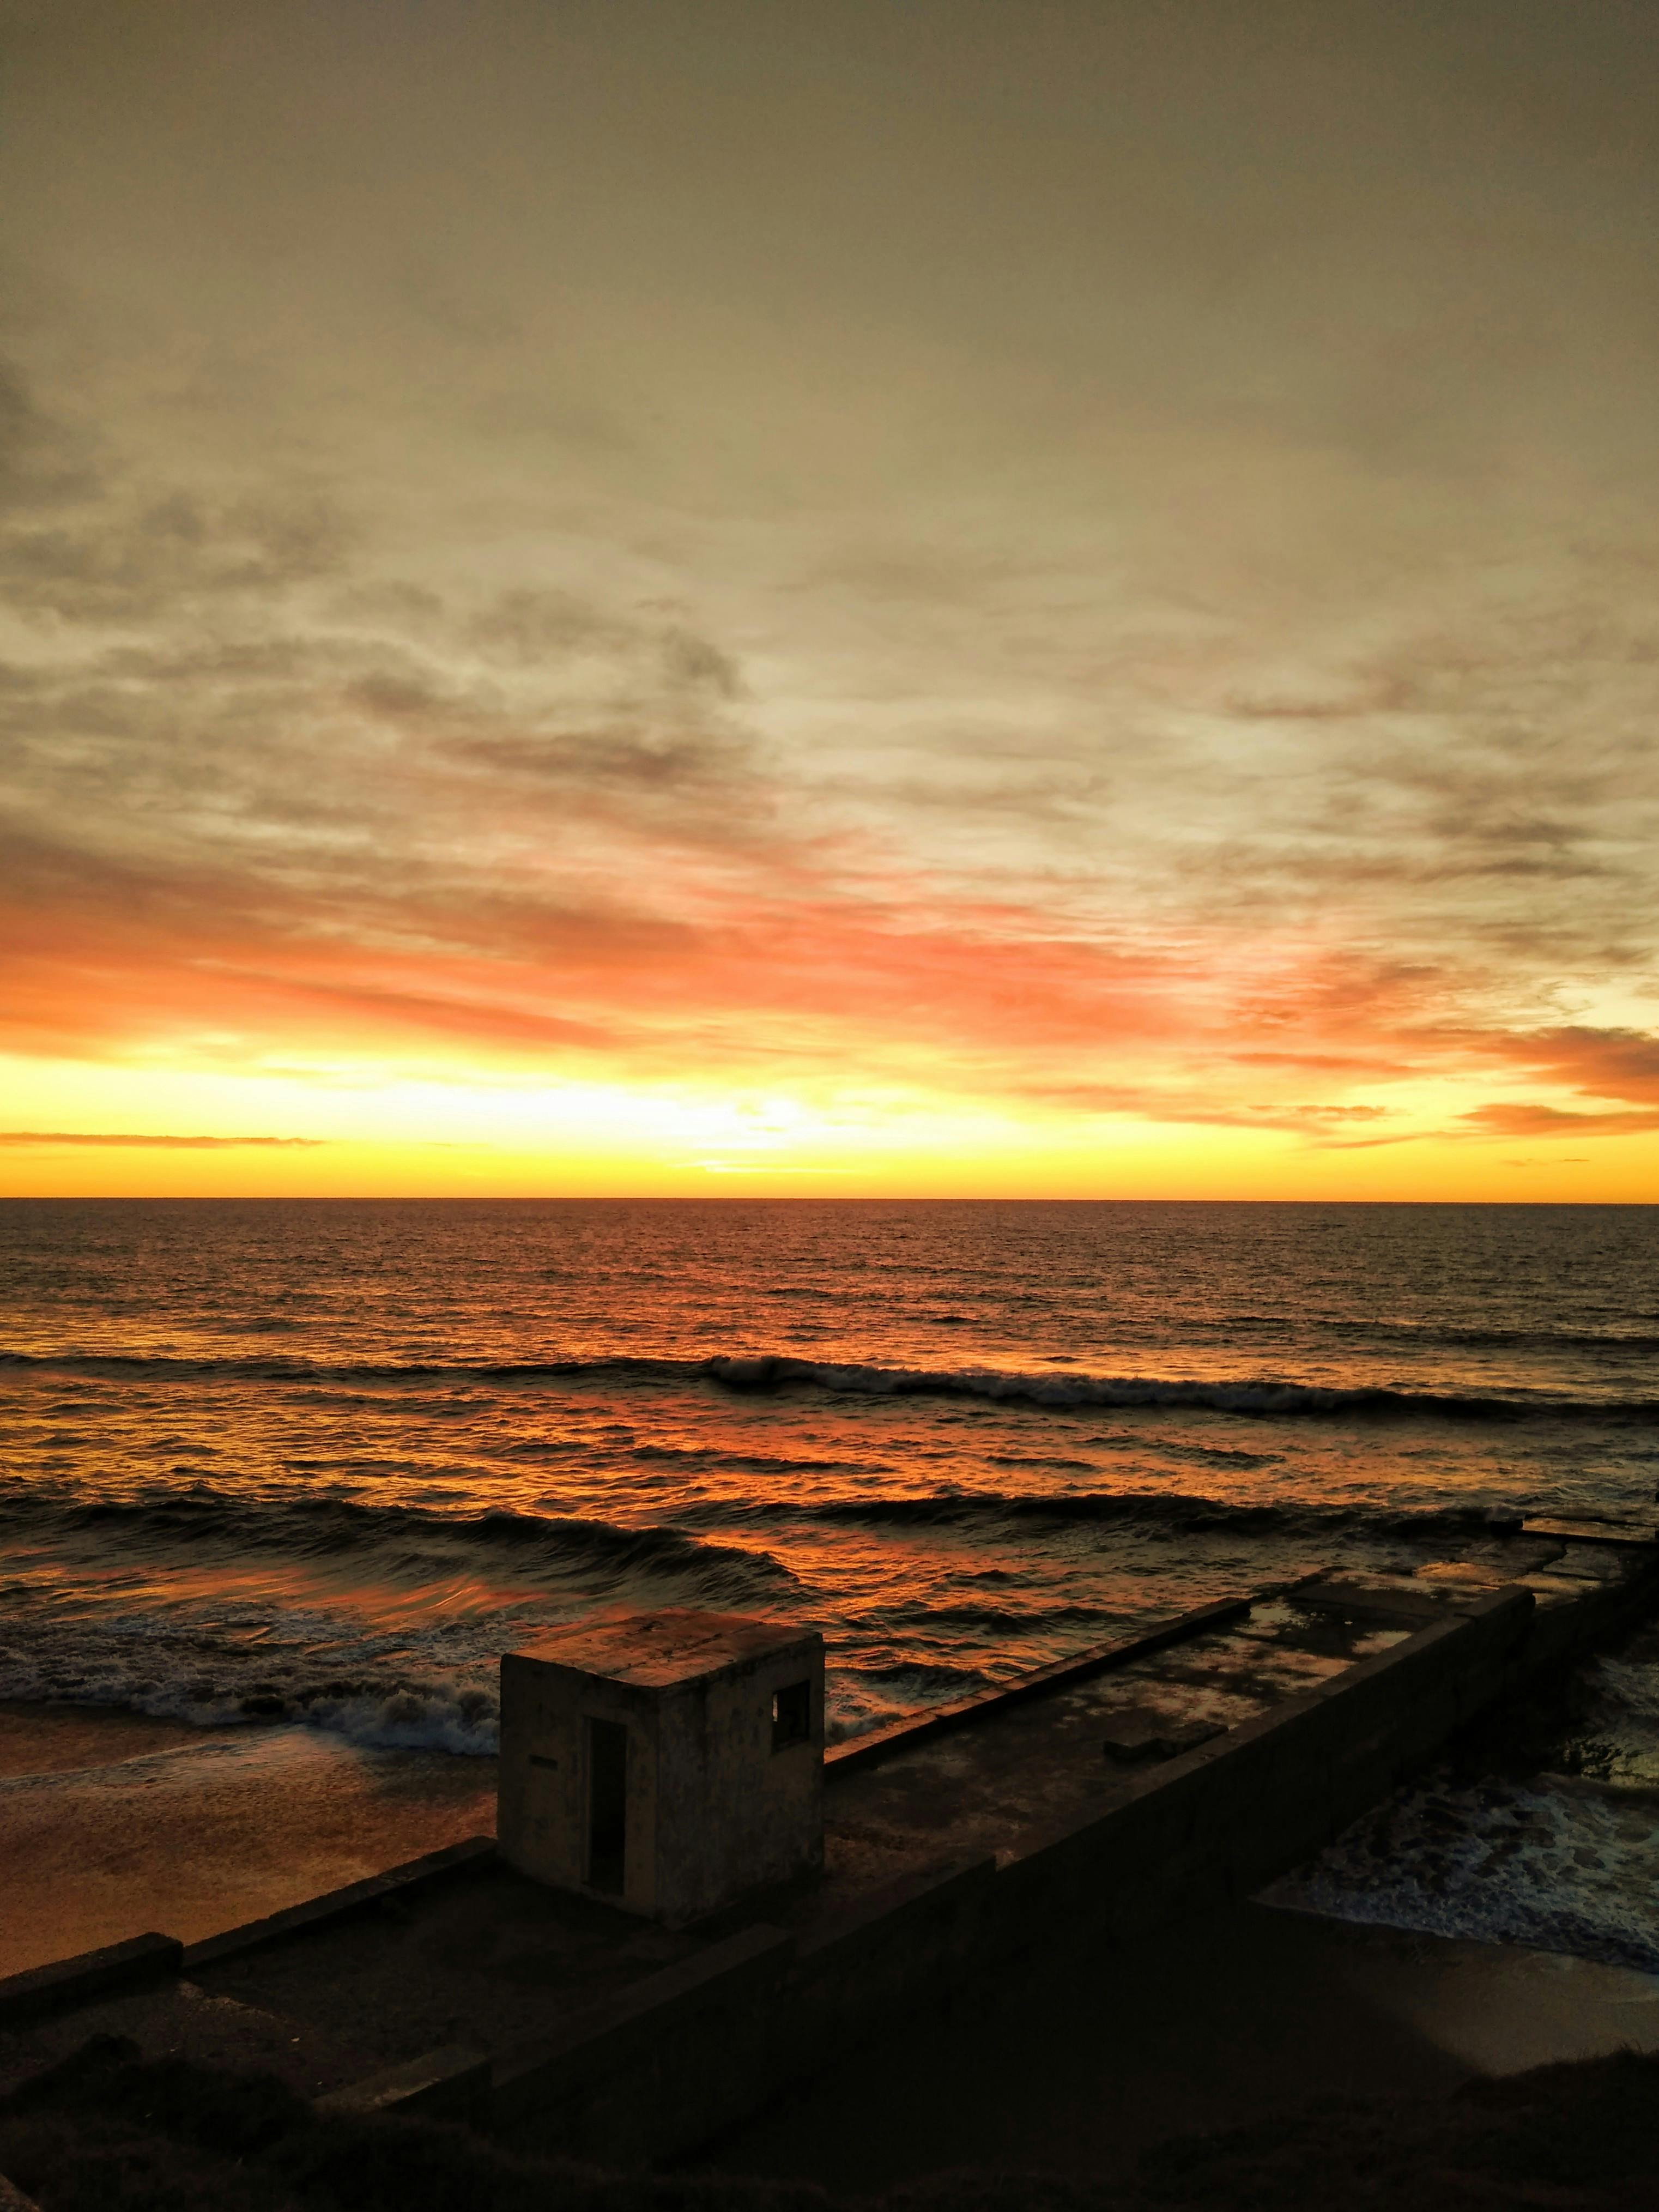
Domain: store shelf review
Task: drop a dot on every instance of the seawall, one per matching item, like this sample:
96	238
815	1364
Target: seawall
963	1840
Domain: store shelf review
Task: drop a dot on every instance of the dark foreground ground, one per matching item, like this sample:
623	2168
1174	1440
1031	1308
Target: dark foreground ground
105	2131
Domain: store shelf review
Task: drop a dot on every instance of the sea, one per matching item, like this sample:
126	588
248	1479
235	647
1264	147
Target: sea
320	1462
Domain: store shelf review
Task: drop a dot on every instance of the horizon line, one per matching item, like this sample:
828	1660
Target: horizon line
726	1198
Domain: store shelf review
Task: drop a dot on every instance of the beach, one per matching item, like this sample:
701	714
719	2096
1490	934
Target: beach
111	1823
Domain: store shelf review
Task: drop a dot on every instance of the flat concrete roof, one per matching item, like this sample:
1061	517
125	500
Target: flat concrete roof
658	1650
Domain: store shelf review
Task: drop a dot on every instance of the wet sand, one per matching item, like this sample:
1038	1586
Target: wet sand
111	1824
37	1738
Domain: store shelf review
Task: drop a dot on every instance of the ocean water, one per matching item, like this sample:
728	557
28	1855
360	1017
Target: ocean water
325	1461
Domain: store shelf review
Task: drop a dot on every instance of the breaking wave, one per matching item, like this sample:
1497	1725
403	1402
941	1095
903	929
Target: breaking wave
433	1691
387	1681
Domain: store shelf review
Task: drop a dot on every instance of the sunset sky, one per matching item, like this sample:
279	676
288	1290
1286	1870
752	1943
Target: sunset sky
1051	598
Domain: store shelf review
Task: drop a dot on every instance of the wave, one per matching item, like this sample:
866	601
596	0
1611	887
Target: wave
409	1542
319	1649
428	1691
1503	1340
1262	1396
1168	1513
1474	1336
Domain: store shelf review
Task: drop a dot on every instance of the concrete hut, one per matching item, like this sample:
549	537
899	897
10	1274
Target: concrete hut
668	1763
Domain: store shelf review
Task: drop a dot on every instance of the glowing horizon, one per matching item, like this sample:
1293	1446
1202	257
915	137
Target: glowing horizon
998	603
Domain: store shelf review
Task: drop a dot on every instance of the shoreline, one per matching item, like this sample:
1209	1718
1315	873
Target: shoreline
41	1736
114	1822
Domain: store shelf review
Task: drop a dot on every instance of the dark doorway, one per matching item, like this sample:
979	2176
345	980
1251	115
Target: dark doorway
791	1715
607	1806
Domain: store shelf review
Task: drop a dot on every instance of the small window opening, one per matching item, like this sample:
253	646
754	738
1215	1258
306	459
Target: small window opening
607	1806
791	1715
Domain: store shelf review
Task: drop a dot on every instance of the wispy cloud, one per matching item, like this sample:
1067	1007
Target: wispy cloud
55	1137
1523	1121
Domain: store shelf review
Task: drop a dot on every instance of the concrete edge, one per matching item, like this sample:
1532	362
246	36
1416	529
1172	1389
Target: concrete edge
1151	1793
1572	1532
1410	1652
12	2198
297	1919
542	2070
89	1974
449	2083
904	1735
809	1639
952	1884
1330	1594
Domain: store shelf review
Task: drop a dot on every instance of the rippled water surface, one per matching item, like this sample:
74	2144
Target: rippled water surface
329	1459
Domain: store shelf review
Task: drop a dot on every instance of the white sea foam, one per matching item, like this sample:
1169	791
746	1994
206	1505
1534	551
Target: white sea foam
1558	1865
430	1689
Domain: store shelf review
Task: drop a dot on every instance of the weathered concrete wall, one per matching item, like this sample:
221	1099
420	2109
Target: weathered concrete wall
541	1796
713	1808
905	1946
1219	1821
90	1974
680	2056
629	2078
733	1814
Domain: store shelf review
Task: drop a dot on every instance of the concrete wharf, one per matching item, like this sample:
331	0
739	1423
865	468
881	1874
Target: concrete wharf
1109	1794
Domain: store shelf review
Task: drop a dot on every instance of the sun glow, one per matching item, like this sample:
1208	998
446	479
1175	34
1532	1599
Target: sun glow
83	1128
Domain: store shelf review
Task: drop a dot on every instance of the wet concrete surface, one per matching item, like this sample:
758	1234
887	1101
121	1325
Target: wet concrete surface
1030	1767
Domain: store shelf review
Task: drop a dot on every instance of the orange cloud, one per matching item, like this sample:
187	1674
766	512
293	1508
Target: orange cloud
1596	1063
1523	1121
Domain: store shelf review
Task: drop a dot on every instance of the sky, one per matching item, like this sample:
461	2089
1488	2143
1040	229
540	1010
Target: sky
984	597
